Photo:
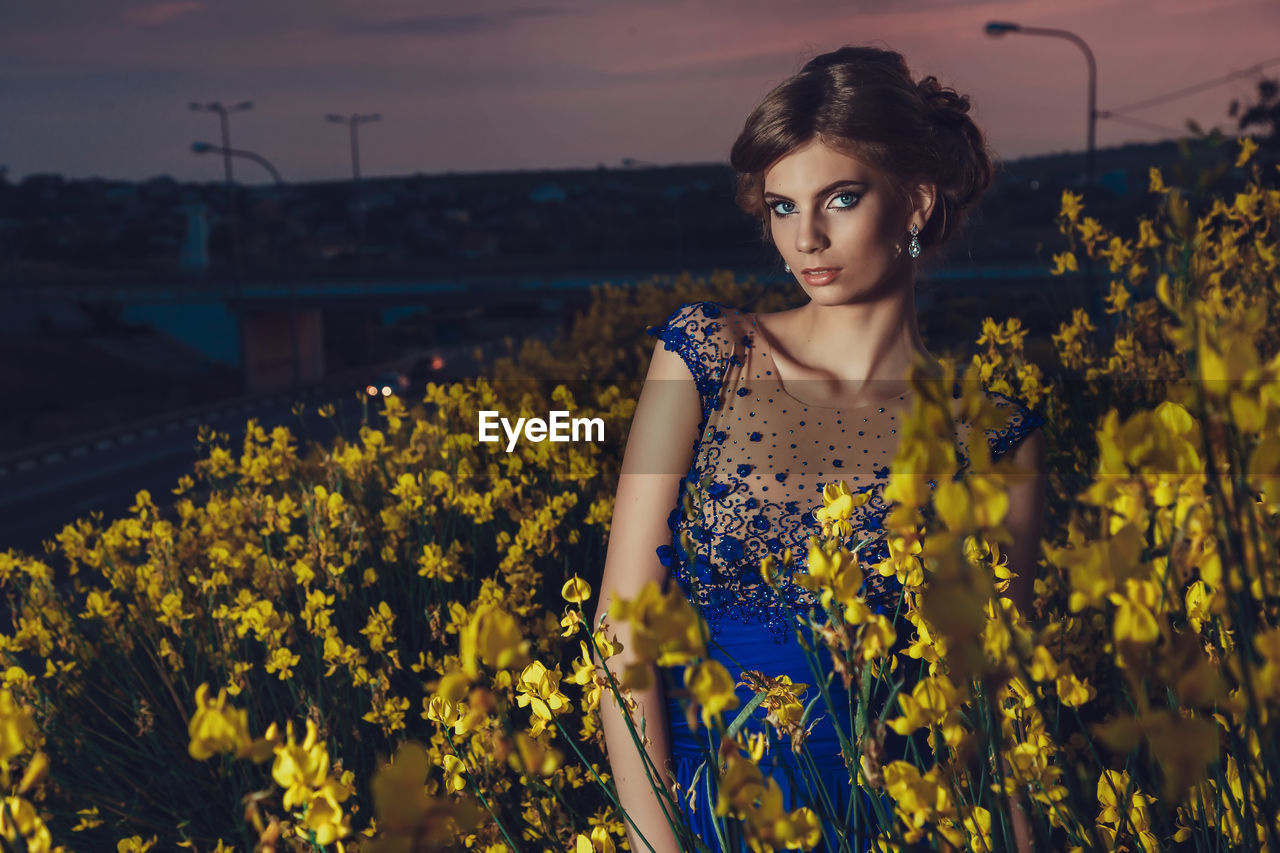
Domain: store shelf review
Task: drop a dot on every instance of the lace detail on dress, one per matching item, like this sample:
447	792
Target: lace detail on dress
1021	421
694	332
759	465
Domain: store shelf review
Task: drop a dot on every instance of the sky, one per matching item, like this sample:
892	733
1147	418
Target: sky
102	87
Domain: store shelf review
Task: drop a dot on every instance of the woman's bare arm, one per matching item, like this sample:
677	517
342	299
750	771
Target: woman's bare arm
659	451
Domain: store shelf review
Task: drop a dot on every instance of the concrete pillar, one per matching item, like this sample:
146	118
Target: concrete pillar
268	349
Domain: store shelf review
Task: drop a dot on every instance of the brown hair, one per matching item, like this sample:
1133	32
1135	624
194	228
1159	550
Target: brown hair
863	101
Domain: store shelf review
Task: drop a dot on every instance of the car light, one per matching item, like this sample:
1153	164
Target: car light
371	391
386	390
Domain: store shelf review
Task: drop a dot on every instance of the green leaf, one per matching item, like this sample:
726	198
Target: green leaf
741	720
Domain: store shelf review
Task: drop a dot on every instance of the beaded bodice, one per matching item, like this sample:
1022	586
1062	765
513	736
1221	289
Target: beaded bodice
760	462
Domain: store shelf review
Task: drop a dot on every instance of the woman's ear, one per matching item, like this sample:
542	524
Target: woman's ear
923	199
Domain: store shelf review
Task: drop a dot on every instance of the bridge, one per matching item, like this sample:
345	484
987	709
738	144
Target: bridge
280	322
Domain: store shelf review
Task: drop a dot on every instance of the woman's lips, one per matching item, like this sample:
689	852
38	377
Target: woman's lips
819	276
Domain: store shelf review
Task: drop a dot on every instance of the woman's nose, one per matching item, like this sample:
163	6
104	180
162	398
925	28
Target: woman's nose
810	237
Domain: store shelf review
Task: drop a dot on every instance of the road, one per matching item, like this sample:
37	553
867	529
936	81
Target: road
41	494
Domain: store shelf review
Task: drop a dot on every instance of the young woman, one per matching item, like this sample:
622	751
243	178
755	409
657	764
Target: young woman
855	171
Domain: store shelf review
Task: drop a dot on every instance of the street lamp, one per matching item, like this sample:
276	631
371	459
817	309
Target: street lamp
354	121
996	29
207	148
999	28
223	112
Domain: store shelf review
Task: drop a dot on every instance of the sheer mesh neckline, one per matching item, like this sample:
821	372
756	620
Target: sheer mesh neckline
759	466
775	375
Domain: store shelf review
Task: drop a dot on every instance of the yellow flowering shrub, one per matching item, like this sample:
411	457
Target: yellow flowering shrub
406	604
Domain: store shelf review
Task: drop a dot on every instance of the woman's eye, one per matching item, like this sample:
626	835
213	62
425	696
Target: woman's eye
846	200
782	208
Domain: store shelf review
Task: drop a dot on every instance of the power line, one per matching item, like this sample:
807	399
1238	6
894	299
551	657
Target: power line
1140	123
1189	90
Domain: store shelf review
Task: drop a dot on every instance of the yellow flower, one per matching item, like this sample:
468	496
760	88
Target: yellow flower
1071	205
27	825
16	726
933	701
282	661
435	563
665	628
299	768
876	637
135	844
534	754
1135	619
215	728
539	690
325	820
399	795
1074	692
576	590
837	507
1043	666
1090	229
741	782
492	637
1118	298
389	714
712	688
831	570
1157	181
799	830
379	627
1064	262
1147	237
98	605
1247	147
918	799
978	824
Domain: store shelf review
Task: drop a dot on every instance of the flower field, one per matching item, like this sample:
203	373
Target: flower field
380	644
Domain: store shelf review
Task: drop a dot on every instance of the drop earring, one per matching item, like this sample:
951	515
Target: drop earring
913	248
786	266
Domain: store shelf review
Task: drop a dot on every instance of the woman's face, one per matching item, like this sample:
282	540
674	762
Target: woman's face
837	224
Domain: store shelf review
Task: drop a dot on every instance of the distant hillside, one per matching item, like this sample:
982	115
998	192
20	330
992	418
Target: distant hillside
658	217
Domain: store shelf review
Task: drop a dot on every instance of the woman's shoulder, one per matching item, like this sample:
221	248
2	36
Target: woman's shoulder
707	325
708	337
708	316
1013	420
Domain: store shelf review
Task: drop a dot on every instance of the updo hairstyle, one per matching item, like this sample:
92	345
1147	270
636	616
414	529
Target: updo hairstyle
863	102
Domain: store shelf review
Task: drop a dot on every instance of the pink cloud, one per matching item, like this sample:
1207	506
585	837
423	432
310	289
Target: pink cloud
162	13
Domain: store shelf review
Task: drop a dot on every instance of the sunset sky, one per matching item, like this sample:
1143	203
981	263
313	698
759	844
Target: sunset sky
101	87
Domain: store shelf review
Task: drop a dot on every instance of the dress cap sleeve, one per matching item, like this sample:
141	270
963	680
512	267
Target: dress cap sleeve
1020	421
698	332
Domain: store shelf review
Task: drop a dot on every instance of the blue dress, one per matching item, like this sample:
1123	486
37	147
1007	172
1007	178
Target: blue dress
761	460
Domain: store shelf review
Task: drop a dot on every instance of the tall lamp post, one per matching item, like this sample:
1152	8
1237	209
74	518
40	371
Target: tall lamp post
223	112
354	121
999	28
228	153
207	148
996	29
